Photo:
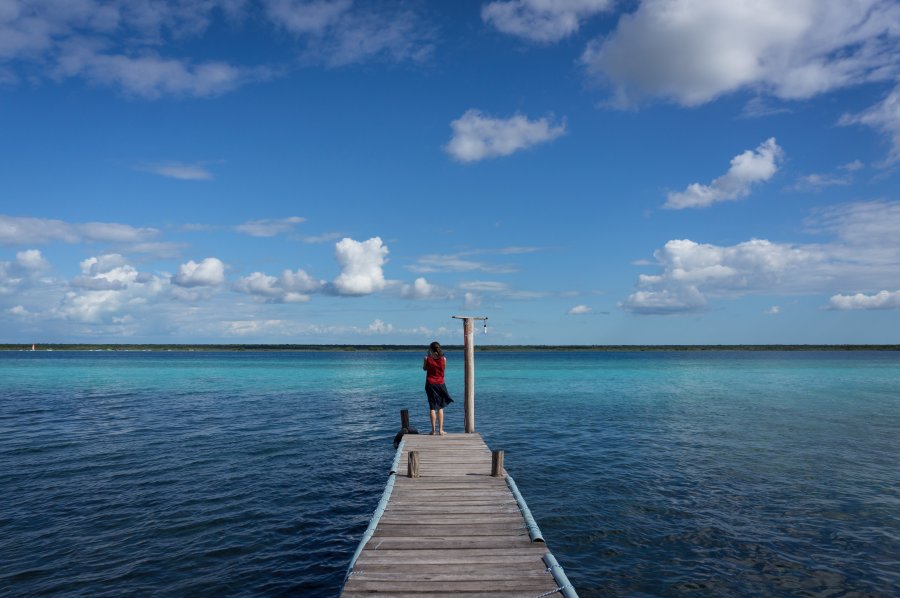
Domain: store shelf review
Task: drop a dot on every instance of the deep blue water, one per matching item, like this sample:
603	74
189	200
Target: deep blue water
650	474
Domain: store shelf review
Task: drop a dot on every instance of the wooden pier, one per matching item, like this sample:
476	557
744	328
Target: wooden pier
453	530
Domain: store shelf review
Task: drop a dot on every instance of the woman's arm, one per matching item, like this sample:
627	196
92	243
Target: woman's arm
425	364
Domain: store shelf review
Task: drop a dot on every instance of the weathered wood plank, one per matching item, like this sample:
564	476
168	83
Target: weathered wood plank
537	585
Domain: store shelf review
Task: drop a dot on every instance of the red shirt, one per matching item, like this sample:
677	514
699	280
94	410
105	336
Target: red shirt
434	370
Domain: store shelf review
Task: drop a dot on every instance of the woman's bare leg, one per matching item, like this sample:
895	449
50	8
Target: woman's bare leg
441	420
433	420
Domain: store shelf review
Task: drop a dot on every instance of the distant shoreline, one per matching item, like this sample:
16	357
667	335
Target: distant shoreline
418	348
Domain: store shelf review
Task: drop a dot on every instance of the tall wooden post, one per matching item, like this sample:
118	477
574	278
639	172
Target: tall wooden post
469	347
404	418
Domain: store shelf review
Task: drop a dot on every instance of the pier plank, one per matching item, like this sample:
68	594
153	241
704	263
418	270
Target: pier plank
455	530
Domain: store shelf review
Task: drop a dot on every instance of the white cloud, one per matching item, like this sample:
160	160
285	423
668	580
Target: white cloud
361	266
747	168
379	327
476	136
864	254
691	271
15	230
773	311
471	300
456	263
861	301
484	286
884	117
579	310
819	181
323	238
307	17
31	260
420	289
75	39
339	33
152	76
22	272
183	172
291	287
693	51
19	311
541	20
109	289
269	227
210	272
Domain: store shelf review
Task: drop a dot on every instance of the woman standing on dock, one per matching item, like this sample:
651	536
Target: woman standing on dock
438	397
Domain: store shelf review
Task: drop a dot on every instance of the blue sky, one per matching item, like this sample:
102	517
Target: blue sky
583	171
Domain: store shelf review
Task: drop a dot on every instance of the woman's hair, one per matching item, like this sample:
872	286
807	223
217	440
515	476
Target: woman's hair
434	349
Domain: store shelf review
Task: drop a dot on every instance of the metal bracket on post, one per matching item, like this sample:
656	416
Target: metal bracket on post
469	346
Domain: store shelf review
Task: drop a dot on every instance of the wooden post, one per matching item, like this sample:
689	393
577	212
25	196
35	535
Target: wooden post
404	418
497	464
469	350
413	468
469	404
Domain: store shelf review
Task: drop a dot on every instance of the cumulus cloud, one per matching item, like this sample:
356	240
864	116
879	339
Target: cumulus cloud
269	227
579	310
31	260
108	290
477	137
861	301
16	230
540	20
863	254
747	168
290	287
773	311
693	51
884	117
419	289
27	265
182	172
208	273
691	271
361	266
379	327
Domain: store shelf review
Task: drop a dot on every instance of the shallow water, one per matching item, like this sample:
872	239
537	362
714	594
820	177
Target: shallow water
650	474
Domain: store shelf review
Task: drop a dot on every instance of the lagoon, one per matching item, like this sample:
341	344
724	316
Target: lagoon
651	473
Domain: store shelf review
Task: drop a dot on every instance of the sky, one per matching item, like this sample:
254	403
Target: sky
577	171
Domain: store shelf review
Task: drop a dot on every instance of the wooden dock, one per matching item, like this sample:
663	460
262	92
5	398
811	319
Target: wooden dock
454	530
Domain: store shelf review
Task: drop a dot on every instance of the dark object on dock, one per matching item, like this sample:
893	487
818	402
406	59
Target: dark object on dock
405	428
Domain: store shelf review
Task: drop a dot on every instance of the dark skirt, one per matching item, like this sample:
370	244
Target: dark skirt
438	397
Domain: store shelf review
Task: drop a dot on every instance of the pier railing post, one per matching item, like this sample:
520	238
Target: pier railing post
413	467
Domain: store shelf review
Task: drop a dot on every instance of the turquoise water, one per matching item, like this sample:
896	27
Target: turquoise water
650	474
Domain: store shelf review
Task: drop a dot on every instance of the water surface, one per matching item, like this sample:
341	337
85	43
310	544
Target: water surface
650	474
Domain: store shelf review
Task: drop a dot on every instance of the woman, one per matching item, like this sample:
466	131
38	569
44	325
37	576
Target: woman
438	397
